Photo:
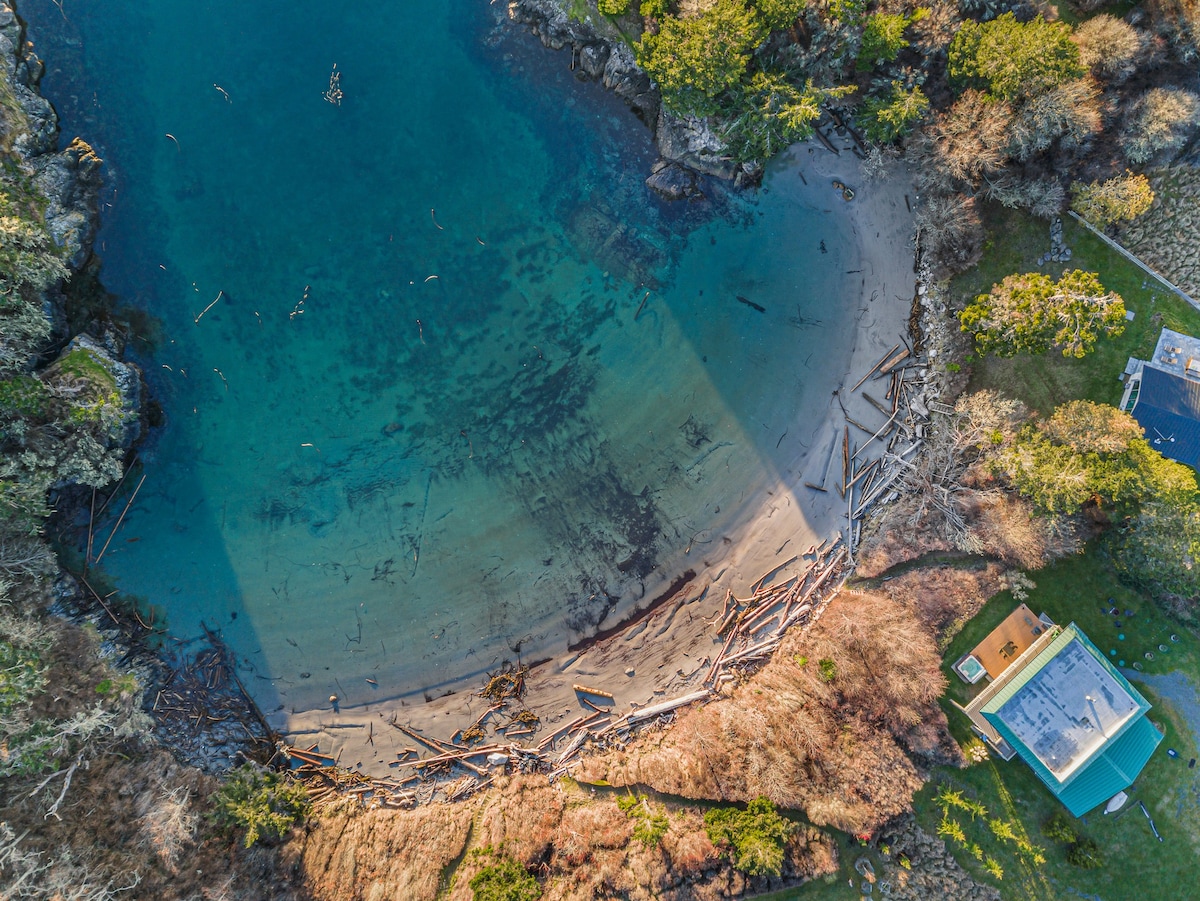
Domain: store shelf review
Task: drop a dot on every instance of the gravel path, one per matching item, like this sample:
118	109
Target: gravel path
1177	689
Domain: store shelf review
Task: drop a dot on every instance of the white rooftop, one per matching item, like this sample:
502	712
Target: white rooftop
1068	710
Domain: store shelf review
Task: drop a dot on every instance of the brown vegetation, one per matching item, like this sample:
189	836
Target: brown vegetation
578	845
831	726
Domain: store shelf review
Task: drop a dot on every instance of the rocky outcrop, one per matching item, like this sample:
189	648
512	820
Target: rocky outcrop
690	141
687	145
919	866
69	179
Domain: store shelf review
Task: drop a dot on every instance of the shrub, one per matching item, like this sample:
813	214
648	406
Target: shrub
262	802
1109	47
1119	199
1059	829
1013	60
505	880
1160	120
1159	549
828	669
1085	854
755	836
613	7
882	40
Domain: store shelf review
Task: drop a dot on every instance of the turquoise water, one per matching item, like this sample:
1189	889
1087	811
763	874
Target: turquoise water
414	421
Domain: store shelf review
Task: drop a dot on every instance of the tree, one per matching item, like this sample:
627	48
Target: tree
882	40
504	880
613	7
1092	453
1011	60
1124	197
777	14
769	113
1111	48
968	141
262	802
1068	113
1030	313
754	836
1161	119
892	115
1160	548
694	60
950	231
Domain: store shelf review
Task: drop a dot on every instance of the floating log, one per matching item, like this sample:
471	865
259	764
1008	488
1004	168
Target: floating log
820	488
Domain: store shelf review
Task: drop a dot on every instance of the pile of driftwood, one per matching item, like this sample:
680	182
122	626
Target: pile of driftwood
327	783
203	708
872	465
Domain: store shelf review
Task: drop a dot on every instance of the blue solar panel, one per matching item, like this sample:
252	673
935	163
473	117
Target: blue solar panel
1168	410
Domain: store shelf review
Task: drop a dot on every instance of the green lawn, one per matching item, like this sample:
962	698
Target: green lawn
1043	382
1079	589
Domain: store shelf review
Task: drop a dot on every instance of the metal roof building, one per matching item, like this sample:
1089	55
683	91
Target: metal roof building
1163	394
1071	716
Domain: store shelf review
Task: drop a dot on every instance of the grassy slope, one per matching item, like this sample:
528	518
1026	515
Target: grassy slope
1078	589
1043	382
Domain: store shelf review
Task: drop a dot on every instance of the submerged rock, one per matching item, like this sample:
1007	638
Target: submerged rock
672	181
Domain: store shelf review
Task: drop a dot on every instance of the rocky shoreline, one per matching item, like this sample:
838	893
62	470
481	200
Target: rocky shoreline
687	146
188	685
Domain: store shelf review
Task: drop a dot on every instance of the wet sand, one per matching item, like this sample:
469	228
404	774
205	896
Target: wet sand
664	649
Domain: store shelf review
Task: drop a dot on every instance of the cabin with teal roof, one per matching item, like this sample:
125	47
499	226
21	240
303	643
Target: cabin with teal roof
1065	710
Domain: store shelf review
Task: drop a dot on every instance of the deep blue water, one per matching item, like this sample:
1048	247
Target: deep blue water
421	429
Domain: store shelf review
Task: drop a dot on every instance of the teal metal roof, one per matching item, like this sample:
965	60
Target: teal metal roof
1109	767
1113	771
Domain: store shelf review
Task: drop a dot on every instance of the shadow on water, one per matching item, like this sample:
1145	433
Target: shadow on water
443	384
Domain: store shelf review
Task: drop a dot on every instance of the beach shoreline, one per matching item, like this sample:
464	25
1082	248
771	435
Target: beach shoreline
663	649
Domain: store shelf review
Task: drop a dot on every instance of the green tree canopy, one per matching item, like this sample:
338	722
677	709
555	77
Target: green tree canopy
505	880
882	40
778	14
1011	60
892	115
1160	548
769	112
1031	313
1086	452
694	60
1105	203
754	836
260	801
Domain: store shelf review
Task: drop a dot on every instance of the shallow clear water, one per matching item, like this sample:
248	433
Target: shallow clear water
422	429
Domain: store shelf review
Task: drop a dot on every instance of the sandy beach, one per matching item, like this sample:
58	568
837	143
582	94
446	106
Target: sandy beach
665	648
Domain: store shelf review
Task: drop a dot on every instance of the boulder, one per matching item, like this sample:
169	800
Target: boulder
593	58
690	141
672	181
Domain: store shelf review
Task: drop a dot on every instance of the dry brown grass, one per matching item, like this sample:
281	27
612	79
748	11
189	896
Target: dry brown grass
840	750
354	854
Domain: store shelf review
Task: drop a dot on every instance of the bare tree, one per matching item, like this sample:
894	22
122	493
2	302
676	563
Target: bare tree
1110	47
1160	120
